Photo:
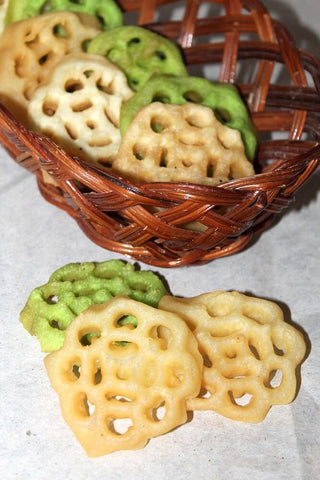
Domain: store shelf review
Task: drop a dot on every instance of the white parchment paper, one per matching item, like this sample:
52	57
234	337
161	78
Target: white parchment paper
282	265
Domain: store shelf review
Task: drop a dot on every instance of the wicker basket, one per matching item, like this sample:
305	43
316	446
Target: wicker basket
240	42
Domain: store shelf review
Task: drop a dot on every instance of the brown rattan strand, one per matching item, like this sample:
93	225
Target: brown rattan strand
170	225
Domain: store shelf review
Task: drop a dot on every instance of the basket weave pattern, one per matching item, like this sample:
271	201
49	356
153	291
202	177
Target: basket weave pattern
149	222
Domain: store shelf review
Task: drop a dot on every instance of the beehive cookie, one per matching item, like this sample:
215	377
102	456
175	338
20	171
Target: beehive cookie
140	53
71	289
106	11
79	106
181	143
39	44
250	353
129	384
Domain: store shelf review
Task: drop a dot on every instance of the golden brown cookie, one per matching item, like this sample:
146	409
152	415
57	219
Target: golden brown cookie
181	143
124	375
250	353
39	44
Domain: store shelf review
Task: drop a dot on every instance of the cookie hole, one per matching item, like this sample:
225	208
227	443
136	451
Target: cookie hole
158	123
231	354
89	407
83	406
97	377
162	334
133	42
28	92
19	67
224	330
242	400
161	55
204	393
102	141
256	312
42	60
49	107
222	115
73	85
206	361
128	321
161	97
219	309
81	106
118	398
55	324
158	413
46	7
52	299
60	31
123	348
235	377
109	88
192	96
156	127
139	151
102	21
112	118
186	163
163	159
190	140
71	131
86	339
210	171
275	379
133	83
85	44
254	351
198	121
91	124
75	371
88	73
120	426
278	351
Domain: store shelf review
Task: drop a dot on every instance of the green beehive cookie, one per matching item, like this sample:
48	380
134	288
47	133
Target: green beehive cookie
74	287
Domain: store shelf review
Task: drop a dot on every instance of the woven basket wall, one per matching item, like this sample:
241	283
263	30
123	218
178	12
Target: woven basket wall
234	41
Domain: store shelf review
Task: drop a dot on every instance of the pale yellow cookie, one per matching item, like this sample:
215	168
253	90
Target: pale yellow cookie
79	107
121	384
250	353
181	143
30	49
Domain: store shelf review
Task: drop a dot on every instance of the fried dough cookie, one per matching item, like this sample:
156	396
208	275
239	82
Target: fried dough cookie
140	53
224	100
79	106
107	11
181	143
250	353
129	384
73	288
31	48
